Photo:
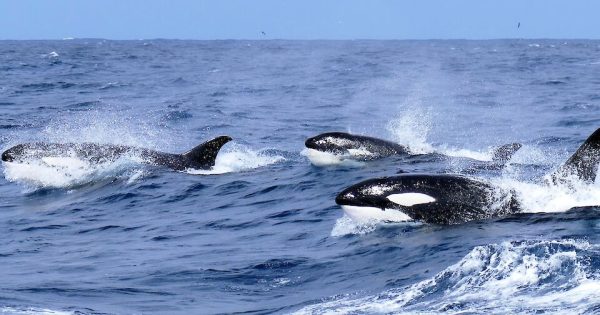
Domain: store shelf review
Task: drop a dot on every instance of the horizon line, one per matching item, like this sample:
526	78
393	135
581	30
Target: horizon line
298	39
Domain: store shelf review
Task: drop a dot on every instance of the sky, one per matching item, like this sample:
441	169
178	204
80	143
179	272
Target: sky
295	19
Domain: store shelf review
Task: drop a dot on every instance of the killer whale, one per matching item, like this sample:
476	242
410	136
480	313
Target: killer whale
452	199
200	157
428	198
361	147
365	148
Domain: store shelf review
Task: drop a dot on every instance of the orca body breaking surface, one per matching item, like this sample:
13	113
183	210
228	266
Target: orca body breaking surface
360	147
428	198
452	199
202	156
365	148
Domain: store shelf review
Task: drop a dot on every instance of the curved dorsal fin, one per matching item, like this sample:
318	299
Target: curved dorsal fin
584	162
503	153
206	153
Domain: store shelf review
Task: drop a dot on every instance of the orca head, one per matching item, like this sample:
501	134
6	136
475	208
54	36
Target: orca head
13	153
383	199
333	142
8	156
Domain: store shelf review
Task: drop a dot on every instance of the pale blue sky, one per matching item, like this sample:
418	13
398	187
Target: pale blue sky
306	19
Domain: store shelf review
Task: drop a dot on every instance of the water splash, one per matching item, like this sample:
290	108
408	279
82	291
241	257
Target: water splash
69	172
543	197
238	158
319	158
512	277
120	126
345	226
411	128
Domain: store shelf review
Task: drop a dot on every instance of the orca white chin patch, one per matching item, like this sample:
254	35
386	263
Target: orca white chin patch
410	199
370	214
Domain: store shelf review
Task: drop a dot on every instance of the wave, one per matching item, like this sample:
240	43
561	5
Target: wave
32	311
511	277
52	54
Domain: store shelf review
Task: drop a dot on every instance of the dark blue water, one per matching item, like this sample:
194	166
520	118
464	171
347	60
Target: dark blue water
261	233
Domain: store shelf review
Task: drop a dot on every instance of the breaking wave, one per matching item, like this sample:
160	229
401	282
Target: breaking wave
511	277
31	311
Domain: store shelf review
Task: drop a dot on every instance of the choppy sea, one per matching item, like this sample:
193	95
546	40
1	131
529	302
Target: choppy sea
260	232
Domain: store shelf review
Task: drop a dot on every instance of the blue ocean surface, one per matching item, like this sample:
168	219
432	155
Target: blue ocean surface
260	232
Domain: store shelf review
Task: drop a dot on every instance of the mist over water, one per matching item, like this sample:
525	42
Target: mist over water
260	232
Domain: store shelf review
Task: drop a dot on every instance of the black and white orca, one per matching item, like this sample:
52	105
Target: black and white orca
357	146
452	199
428	198
201	157
364	148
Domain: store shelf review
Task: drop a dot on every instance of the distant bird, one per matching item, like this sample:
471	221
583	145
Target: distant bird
264	34
519	25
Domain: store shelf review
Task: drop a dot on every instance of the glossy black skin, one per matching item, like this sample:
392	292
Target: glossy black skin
381	148
201	157
459	199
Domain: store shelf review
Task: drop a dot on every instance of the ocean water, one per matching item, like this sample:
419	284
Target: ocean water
260	233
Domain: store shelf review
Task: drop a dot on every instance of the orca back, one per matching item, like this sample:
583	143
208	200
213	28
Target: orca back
205	154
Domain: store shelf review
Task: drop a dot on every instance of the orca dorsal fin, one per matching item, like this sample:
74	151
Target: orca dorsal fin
584	162
206	153
503	153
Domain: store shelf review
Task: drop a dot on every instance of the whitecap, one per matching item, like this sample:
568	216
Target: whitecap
511	277
32	311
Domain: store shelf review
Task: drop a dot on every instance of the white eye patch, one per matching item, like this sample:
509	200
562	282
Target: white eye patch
410	199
